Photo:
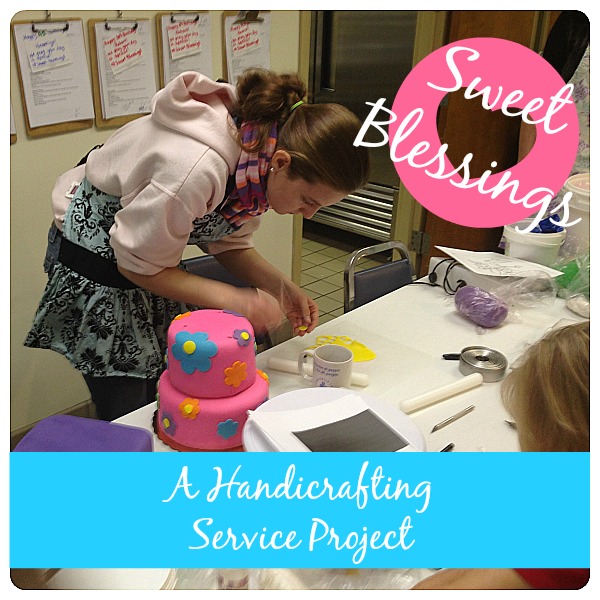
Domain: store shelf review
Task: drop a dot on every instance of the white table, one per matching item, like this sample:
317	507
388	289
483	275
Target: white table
409	330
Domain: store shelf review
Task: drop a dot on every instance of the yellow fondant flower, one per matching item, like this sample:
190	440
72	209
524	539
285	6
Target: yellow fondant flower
263	375
235	374
190	408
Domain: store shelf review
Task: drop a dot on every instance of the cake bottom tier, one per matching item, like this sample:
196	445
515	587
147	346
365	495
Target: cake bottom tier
188	423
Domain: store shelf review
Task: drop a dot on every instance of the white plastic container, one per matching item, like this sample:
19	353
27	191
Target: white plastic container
539	248
578	235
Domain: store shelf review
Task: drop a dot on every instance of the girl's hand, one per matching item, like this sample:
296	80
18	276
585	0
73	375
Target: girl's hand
261	309
300	309
247	264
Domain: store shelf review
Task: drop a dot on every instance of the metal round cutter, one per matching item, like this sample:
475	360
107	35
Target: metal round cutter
478	359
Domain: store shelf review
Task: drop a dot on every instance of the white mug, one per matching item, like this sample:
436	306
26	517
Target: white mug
332	365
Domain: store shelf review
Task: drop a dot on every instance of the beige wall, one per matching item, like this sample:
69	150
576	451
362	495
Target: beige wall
42	382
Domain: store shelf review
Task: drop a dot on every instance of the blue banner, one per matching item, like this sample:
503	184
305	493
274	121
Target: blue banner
302	510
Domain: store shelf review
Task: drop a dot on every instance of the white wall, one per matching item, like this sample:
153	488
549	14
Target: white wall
42	382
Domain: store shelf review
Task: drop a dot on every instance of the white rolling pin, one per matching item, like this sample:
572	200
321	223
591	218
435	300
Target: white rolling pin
443	393
291	366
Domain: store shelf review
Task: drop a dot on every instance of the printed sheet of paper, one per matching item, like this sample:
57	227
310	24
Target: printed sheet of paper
347	424
186	45
125	67
247	44
54	72
496	265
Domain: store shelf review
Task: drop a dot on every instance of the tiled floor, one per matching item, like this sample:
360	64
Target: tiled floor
324	255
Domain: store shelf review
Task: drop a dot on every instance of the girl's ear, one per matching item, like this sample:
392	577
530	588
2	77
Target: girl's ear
280	160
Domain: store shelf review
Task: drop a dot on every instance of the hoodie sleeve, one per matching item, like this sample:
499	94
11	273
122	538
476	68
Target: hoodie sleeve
239	240
150	233
152	229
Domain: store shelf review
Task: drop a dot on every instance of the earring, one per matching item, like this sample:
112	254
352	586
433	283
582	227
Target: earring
272	169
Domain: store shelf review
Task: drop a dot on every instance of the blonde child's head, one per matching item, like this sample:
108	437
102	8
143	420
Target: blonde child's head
548	392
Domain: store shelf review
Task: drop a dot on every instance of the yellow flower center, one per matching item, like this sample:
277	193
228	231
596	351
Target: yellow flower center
189	347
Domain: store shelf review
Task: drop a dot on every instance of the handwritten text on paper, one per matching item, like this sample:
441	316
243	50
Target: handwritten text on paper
123	50
184	38
46	50
244	38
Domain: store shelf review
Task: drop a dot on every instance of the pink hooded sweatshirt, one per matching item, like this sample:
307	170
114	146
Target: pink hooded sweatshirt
169	168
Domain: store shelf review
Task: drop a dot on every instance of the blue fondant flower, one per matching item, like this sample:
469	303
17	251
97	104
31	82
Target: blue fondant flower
168	423
242	336
194	351
228	428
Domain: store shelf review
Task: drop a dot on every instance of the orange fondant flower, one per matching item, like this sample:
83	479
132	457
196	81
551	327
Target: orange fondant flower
235	374
182	316
190	408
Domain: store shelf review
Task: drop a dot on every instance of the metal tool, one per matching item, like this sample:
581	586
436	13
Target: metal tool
448	448
489	363
458	415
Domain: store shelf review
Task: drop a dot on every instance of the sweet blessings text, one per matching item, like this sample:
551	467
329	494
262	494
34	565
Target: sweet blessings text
408	144
371	485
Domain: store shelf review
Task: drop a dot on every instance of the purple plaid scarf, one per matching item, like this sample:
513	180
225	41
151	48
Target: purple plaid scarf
249	196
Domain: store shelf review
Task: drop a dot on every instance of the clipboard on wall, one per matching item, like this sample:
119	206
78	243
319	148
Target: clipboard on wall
53	76
13	127
184	44
246	41
123	73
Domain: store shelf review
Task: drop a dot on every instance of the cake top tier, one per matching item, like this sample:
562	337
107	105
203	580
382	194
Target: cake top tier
211	353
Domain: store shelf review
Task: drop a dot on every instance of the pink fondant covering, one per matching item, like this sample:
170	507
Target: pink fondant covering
206	423
210	382
221	359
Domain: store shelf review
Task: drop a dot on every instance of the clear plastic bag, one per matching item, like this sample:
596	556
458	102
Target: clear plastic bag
537	290
340	579
574	284
480	306
304	579
492	308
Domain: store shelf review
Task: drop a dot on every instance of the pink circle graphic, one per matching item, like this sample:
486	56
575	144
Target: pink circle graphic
499	71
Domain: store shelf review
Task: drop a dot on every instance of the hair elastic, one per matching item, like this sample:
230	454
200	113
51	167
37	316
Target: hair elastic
296	105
